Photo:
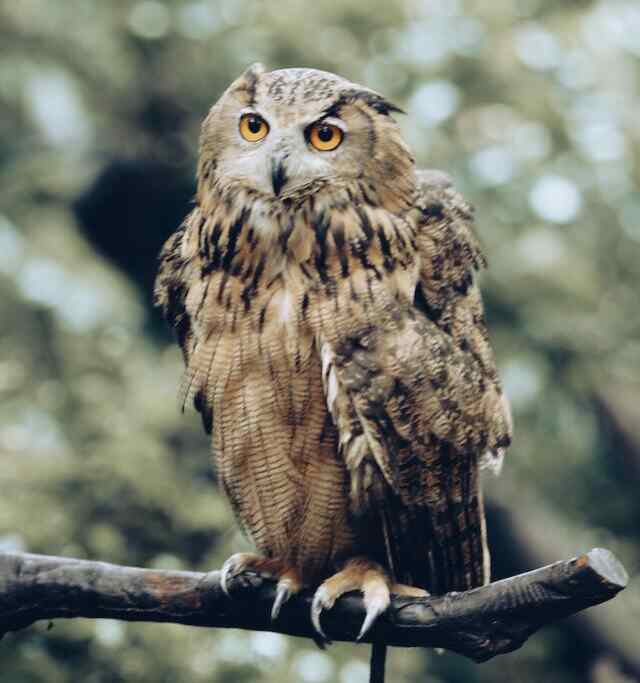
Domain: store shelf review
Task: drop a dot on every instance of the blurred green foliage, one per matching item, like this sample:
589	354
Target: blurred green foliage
531	105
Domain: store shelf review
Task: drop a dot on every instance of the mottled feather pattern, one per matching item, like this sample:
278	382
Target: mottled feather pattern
335	345
403	390
427	402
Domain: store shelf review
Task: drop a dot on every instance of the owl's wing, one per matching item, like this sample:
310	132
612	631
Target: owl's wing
181	288
418	404
448	293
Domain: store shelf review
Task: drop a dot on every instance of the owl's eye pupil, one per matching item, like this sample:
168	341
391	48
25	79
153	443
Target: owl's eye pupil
254	124
253	127
325	133
325	137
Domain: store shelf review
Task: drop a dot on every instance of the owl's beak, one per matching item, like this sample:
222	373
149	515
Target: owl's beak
279	176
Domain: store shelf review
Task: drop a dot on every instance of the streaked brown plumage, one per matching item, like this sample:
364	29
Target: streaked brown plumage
334	341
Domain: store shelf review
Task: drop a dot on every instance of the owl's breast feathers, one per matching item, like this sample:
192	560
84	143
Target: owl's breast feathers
338	305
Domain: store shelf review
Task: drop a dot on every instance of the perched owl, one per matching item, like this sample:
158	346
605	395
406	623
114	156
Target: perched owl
324	295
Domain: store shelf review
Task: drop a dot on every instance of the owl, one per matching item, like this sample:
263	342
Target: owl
323	291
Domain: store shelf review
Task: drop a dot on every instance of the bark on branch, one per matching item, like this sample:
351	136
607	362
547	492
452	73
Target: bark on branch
479	624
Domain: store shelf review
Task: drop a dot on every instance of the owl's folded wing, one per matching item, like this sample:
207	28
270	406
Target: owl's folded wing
417	404
180	292
448	293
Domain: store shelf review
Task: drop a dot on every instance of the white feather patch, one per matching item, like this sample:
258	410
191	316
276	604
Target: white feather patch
286	306
329	377
492	460
262	222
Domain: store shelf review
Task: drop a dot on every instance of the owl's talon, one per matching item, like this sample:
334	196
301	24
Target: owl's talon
283	593
358	574
227	572
375	607
243	567
321	600
237	564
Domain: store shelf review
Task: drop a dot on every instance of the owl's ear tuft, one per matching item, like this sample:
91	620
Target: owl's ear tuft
245	85
254	71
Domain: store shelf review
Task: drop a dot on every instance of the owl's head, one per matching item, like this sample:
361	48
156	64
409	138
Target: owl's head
293	133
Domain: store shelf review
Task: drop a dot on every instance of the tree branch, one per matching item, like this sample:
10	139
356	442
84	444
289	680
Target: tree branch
479	624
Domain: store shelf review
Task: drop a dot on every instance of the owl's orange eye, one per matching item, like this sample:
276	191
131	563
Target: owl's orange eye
253	127
325	137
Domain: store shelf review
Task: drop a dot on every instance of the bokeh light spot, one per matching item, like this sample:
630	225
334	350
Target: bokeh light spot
434	102
149	20
555	198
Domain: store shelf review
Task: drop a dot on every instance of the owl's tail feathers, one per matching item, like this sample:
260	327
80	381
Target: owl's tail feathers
440	542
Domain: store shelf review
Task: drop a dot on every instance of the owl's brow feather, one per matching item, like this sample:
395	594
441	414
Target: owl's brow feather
372	99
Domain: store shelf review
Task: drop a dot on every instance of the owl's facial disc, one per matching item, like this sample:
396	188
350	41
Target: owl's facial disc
281	157
292	133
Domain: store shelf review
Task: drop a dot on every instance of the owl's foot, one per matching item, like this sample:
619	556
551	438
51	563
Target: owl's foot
288	578
409	591
358	574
